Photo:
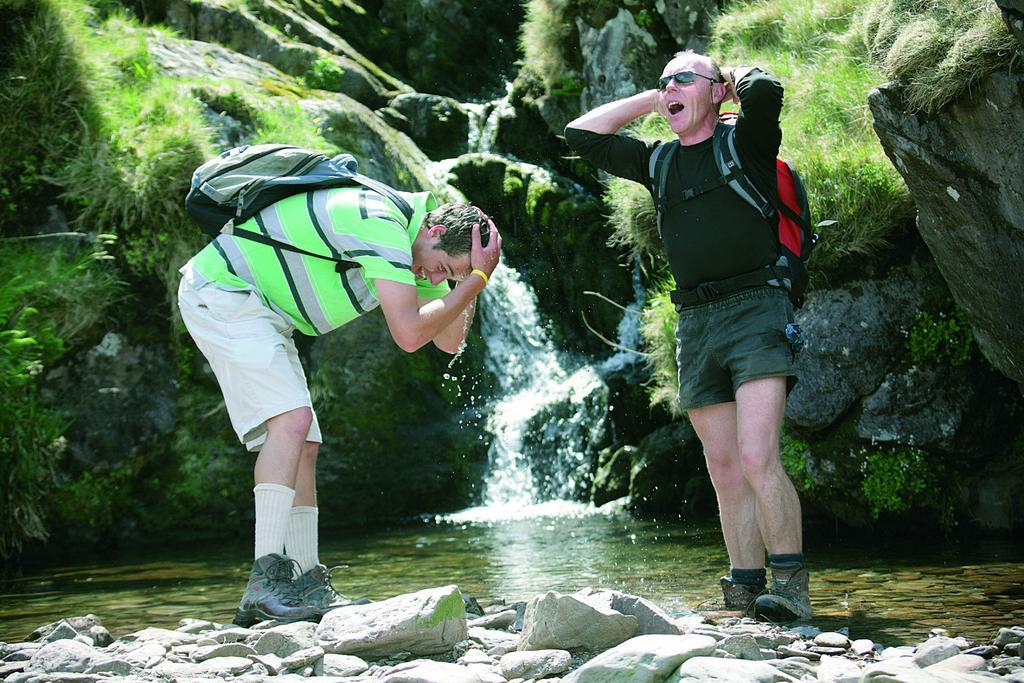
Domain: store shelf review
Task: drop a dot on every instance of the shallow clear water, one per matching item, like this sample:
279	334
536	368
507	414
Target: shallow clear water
893	593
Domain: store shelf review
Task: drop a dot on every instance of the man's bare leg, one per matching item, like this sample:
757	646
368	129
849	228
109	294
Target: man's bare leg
760	405
716	427
759	410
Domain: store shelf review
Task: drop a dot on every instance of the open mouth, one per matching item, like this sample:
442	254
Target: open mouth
675	107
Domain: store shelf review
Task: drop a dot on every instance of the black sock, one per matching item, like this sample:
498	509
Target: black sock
787	563
755	579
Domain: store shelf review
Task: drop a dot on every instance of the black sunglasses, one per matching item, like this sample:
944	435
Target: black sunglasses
683	78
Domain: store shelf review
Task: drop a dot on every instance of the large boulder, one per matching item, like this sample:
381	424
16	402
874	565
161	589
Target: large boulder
423	623
967	184
567	622
854	336
439	125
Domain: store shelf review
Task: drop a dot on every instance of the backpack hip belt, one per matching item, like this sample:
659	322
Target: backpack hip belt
706	292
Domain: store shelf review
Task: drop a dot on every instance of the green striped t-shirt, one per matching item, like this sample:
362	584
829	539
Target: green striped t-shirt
352	223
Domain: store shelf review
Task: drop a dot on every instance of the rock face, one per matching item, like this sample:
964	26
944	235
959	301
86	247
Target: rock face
619	59
854	335
967	184
120	396
422	623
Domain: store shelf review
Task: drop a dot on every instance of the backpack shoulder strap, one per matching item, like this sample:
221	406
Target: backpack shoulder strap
387	191
657	170
724	147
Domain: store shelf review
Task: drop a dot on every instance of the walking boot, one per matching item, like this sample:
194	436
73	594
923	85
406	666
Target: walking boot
737	596
271	594
788	600
316	591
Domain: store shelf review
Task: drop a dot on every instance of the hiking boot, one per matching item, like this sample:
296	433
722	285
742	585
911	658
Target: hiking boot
788	599
737	596
271	594
315	590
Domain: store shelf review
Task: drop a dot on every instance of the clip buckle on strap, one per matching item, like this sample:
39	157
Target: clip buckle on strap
706	291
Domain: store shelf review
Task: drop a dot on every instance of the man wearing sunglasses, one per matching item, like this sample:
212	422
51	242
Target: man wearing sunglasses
241	300
735	363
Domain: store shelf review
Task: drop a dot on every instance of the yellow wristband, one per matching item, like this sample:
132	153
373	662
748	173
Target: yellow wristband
477	271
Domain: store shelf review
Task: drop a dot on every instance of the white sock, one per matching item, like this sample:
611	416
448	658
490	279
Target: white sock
301	539
273	505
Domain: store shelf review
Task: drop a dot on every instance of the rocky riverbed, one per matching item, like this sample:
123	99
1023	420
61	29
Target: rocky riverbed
440	636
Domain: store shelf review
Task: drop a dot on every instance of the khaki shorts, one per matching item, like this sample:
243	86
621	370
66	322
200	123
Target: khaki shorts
250	349
724	343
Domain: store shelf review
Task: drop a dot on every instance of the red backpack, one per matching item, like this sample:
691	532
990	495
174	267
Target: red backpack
794	236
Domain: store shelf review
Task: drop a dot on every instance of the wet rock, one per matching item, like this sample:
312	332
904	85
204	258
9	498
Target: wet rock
731	670
742	646
343	665
535	663
426	622
935	650
286	639
644	659
71	656
499	620
427	671
668	468
565	622
471	606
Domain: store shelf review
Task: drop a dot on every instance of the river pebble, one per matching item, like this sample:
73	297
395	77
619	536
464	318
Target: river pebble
600	648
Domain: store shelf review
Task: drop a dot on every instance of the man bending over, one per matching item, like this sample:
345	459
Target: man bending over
241	300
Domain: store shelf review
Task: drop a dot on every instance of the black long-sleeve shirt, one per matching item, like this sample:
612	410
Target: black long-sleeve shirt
715	235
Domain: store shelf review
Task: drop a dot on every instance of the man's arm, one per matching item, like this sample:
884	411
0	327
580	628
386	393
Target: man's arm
609	118
451	337
412	325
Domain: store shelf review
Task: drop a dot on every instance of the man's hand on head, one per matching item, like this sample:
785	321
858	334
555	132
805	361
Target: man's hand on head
485	258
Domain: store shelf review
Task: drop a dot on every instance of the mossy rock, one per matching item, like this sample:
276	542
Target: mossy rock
555	236
611	480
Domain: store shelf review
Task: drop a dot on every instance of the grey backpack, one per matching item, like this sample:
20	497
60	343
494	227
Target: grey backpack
236	185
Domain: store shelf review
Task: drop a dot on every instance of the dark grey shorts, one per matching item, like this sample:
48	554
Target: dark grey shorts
724	343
